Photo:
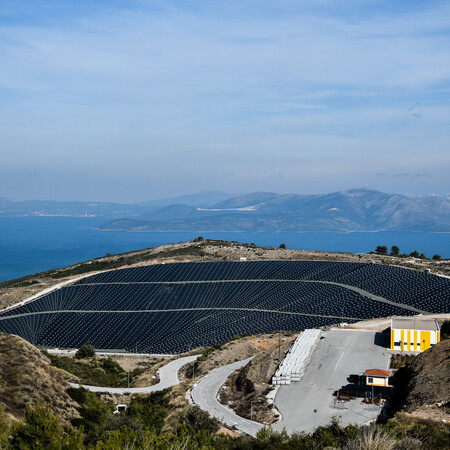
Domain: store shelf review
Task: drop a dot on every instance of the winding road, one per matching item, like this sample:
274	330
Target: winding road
168	376
362	292
205	392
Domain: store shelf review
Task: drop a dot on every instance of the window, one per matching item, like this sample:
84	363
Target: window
370	380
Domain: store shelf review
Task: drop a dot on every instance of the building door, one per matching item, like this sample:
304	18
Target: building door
425	344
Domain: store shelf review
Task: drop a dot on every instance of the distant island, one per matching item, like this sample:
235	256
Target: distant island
345	211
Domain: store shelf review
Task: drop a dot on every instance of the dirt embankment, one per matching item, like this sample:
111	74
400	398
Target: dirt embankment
245	391
27	376
14	291
423	383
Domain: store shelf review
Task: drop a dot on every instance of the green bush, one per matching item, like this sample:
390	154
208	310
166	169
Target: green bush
99	372
85	351
42	430
196	419
150	410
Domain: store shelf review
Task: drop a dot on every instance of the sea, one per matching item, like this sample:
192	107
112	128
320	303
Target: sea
30	245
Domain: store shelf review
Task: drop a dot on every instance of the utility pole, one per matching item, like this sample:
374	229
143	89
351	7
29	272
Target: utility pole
372	402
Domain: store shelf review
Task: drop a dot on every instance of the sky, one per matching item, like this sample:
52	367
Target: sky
135	100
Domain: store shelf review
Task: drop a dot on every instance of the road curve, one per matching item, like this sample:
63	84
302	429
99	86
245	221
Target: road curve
141	311
204	394
358	290
168	376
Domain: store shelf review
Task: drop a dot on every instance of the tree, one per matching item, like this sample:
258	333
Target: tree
85	351
414	254
381	250
199	239
283	246
423	256
437	257
395	251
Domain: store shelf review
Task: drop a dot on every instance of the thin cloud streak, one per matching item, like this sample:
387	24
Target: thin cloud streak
127	88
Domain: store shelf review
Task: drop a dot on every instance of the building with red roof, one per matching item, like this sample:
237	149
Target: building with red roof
377	377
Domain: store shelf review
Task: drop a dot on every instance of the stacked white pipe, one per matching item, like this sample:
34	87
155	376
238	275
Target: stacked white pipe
294	364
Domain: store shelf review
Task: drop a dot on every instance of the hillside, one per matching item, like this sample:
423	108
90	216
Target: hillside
17	290
27	376
424	382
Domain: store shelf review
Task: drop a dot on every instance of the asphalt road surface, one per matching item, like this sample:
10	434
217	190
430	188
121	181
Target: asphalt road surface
168	376
205	394
339	354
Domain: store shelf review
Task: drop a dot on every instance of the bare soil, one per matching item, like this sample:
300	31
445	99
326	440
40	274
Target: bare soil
423	383
245	390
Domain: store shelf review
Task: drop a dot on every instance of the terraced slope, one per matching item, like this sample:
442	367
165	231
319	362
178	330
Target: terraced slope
174	307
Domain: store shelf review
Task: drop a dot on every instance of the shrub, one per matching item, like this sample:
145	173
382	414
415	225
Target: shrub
151	410
85	351
372	437
42	430
197	419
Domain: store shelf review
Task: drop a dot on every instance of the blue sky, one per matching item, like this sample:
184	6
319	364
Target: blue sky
135	100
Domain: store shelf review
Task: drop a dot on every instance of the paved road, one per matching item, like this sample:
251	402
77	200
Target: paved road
168	376
339	354
103	311
46	291
205	394
363	292
57	351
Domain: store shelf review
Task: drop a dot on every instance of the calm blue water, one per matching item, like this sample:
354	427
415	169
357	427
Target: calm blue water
32	244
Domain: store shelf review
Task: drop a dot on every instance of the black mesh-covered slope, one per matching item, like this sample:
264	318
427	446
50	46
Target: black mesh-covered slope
171	308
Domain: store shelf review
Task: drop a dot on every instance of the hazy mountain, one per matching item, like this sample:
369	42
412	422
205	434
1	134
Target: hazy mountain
202	199
350	210
11	208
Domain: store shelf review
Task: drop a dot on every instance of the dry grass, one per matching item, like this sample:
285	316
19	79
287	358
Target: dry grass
26	376
372	438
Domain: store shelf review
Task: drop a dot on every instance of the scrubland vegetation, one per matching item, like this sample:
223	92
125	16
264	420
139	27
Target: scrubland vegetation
140	428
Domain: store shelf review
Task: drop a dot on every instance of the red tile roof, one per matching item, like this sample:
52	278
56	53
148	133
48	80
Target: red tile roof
377	373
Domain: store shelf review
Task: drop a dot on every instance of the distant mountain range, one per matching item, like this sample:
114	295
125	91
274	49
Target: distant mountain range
11	208
344	211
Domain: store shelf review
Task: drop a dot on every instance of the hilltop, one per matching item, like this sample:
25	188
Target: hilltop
20	289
